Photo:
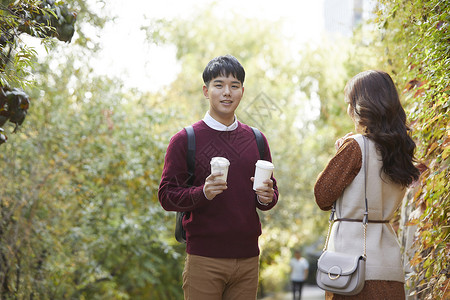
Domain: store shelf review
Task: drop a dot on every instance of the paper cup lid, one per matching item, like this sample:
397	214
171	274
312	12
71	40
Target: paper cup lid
264	164
220	161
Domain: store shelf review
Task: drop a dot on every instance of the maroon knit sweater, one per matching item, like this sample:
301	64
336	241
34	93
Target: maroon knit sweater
227	226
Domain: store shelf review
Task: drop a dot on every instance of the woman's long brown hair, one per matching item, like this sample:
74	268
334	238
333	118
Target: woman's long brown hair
376	107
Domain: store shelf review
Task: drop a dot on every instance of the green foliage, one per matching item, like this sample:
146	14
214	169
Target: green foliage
41	19
56	16
416	37
13	106
78	197
38	18
85	222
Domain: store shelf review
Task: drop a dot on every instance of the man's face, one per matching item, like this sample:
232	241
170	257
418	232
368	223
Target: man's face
224	95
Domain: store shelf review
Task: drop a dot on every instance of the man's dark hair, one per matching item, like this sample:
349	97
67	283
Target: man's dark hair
223	66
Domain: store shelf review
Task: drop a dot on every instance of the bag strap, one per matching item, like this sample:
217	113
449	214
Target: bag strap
190	156
259	142
365	218
366	158
366	212
180	234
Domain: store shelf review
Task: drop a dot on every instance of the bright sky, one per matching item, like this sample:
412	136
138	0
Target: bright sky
149	67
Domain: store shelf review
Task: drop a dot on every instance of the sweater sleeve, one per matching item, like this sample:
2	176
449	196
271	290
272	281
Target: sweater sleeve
174	194
338	174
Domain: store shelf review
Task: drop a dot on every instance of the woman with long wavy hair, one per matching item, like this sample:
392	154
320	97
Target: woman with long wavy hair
375	108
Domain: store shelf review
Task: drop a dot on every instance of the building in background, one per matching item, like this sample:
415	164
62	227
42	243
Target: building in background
341	17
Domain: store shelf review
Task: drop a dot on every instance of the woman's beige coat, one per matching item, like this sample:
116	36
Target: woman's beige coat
384	261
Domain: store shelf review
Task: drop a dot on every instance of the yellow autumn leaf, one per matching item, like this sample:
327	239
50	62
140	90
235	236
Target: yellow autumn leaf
446	152
432	147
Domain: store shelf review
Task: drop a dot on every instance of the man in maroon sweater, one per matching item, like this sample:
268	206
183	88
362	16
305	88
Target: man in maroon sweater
223	227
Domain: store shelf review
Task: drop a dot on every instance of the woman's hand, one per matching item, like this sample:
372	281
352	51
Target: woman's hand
340	141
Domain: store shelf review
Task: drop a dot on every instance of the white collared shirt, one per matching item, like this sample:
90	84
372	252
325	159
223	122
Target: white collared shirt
216	125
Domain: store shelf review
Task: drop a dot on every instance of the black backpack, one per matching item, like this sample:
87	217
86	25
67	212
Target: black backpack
180	233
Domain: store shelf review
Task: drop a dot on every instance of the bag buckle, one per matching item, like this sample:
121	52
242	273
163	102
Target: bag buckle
333	278
334	272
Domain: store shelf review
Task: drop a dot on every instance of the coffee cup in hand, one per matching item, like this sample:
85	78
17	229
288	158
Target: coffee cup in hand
220	165
263	171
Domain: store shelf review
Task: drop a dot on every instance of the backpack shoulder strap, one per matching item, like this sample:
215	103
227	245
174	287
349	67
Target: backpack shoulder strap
190	157
259	142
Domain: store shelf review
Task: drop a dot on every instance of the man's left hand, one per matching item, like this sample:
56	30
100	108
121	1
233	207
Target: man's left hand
265	193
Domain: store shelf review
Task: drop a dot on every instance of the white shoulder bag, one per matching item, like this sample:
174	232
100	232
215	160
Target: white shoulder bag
343	273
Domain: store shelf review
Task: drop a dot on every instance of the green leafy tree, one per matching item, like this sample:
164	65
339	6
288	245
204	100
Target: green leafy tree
41	19
32	228
415	36
93	153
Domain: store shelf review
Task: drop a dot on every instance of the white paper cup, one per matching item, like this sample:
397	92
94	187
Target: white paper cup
263	171
220	164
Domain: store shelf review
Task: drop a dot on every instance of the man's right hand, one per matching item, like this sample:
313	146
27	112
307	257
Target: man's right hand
214	186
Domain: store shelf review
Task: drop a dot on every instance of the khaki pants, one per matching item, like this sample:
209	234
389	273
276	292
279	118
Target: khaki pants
206	278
